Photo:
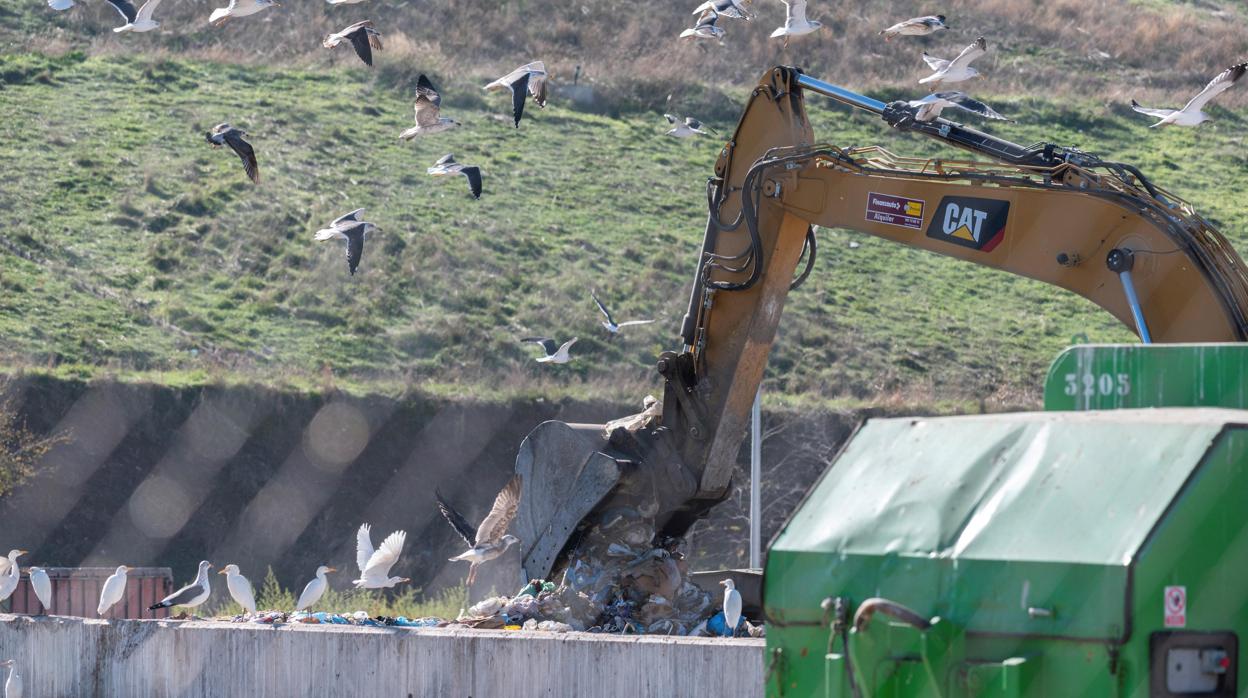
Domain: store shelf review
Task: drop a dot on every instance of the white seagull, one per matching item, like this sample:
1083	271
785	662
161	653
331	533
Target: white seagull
11	576
60	5
375	564
690	127
192	594
705	27
555	354
428	110
42	585
114	590
490	539
239	8
446	166
240	588
612	326
140	21
1191	114
732	9
225	134
315	589
795	22
956	70
528	79
732	605
363	37
919	26
353	229
13	684
930	106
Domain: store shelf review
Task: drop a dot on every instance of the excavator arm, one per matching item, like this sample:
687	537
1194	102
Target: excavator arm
1058	215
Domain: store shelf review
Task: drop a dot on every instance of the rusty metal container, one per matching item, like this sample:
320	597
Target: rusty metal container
76	592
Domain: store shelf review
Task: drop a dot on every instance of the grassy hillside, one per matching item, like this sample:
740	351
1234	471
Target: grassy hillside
134	246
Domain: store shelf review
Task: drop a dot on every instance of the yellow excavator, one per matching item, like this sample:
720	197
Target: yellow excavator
1059	215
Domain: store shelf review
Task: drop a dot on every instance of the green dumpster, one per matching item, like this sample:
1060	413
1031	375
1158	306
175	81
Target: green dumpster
1098	553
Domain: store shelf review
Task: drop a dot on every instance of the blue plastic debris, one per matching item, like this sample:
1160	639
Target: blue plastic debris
718	626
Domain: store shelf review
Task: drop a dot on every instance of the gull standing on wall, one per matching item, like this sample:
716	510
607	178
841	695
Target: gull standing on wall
375	564
191	595
240	588
732	605
491	539
1191	114
315	589
114	590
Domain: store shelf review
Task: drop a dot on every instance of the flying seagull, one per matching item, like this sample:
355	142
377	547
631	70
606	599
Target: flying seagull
114	590
612	326
140	21
12	684
239	8
555	354
428	109
446	165
375	564
225	134
60	5
240	588
956	70
354	230
705	28
192	594
732	9
315	589
363	37
525	80
732	605
1191	114
691	127
42	585
795	22
930	106
491	539
919	26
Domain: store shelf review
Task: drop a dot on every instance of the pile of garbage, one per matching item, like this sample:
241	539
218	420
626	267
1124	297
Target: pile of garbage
620	579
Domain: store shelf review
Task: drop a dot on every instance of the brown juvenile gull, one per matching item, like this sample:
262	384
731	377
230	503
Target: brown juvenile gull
225	134
919	26
491	539
354	230
363	37
1191	114
528	79
956	70
446	165
428	112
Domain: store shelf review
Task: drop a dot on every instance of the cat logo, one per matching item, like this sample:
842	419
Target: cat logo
975	223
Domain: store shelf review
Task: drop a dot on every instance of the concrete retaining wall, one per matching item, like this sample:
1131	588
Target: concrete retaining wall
76	657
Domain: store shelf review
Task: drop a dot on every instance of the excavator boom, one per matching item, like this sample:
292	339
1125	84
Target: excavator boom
1062	216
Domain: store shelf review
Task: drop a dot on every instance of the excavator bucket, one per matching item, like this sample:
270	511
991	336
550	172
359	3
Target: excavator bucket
565	475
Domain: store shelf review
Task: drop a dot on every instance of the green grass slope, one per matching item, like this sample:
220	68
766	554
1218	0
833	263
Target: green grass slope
131	245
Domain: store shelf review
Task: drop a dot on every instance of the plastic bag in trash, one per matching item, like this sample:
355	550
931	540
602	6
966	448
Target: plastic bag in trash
718	626
488	607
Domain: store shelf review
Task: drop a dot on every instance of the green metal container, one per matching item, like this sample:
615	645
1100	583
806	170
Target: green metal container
1114	376
1039	554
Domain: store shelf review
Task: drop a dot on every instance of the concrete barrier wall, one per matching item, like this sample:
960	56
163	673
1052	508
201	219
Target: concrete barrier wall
60	656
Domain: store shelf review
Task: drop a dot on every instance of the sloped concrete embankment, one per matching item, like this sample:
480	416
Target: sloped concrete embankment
75	657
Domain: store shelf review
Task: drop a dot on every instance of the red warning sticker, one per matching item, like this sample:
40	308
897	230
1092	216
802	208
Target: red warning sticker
895	210
1176	607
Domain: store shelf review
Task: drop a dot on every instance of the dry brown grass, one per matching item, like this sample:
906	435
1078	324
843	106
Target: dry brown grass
1108	49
